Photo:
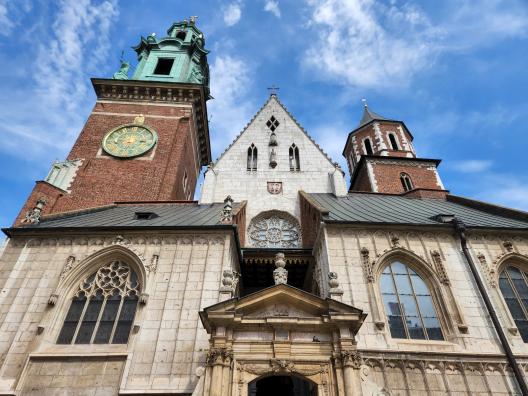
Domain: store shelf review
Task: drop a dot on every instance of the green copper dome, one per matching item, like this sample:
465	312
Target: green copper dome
179	57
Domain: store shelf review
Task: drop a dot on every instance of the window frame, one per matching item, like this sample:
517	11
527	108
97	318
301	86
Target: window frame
406	182
294	158
519	262
365	150
101	310
414	295
394	141
252	158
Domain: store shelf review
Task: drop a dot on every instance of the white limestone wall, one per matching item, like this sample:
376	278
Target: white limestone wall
182	275
229	176
341	253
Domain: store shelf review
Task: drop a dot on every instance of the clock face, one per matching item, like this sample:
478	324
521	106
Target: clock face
129	140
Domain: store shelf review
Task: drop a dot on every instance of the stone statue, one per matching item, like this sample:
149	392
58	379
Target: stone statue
280	274
122	73
196	75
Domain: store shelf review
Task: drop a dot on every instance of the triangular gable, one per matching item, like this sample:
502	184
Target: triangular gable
275	98
281	302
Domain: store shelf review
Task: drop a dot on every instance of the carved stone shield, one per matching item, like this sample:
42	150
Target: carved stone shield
274	187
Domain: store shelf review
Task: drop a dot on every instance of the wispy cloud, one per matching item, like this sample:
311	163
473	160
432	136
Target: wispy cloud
75	48
471	165
233	13
11	13
273	7
230	109
504	189
369	43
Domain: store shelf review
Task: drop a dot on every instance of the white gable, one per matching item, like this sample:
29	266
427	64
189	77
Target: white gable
229	175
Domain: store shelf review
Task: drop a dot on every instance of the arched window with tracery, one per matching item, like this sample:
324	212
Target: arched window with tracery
103	307
295	163
409	305
252	158
406	182
513	284
274	230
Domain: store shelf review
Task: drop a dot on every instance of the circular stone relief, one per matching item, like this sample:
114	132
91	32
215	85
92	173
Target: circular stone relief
274	231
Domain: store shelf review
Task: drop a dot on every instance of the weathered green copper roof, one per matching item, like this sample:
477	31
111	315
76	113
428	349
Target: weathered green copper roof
395	209
184	46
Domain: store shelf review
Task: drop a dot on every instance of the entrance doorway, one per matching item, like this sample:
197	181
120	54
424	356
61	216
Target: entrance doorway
282	385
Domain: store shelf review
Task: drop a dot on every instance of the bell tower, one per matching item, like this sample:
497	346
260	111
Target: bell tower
147	136
381	158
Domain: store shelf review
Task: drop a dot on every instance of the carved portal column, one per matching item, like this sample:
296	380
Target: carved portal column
219	360
351	363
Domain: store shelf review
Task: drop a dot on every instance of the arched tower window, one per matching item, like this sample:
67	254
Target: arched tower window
295	164
368	146
514	288
181	35
393	141
408	304
103	308
252	158
406	182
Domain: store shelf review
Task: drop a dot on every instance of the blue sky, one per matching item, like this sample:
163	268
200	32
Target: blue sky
455	71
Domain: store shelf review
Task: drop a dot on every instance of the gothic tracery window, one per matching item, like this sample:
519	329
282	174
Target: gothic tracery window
103	308
514	288
274	230
408	304
252	158
295	164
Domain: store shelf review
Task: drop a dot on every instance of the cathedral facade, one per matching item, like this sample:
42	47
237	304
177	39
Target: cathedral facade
281	279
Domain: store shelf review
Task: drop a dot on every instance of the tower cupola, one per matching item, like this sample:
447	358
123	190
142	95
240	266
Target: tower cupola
381	158
179	57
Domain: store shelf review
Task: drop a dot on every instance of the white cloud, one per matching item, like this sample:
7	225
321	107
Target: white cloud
11	13
42	117
230	109
471	166
6	24
503	189
369	43
232	13
273	7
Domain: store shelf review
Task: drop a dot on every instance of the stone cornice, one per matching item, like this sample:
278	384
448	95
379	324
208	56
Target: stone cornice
162	92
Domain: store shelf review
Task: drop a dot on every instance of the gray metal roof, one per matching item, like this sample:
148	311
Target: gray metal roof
369	115
123	215
393	209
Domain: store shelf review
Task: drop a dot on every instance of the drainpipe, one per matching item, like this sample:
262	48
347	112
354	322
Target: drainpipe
460	229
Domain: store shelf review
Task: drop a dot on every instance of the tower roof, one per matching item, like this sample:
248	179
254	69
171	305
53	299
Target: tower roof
369	115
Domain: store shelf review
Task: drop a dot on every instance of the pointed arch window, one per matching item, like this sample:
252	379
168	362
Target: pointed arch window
295	163
368	146
513	283
408	304
393	141
252	158
103	308
406	182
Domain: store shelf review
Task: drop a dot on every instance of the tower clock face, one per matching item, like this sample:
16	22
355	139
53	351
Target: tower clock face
130	140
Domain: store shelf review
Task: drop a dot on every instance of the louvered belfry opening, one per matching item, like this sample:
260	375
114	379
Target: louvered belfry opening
258	266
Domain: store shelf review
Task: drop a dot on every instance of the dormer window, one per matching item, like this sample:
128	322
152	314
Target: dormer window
145	215
164	66
368	146
181	35
393	141
406	182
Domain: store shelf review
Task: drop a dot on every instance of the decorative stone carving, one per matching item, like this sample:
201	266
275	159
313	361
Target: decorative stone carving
274	187
229	281
278	365
54	297
367	266
70	262
395	240
274	230
508	245
333	283
33	216
226	217
490	270
219	356
351	359
439	267
153	266
280	274
273	158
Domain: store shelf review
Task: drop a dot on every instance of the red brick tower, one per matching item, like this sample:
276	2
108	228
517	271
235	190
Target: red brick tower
146	138
381	158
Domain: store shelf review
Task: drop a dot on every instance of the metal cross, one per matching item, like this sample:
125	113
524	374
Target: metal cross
273	89
364	102
193	19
